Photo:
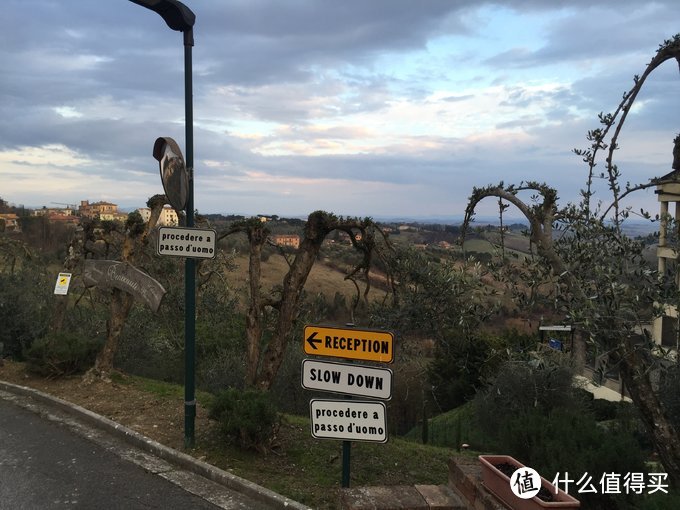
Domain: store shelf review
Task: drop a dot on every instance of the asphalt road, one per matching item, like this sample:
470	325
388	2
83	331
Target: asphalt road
47	463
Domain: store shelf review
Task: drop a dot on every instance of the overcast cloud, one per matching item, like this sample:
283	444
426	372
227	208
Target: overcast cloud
367	108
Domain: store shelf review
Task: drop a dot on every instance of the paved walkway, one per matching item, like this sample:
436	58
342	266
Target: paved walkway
55	455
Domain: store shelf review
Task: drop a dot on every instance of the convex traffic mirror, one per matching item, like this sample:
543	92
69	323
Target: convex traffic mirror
173	171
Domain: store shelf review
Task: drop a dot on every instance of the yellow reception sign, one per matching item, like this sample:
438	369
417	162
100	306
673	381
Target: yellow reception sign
349	343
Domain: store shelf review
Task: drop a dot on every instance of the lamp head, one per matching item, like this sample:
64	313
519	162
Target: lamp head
177	15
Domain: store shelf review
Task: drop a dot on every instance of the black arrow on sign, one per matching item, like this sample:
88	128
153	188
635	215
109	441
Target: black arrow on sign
312	340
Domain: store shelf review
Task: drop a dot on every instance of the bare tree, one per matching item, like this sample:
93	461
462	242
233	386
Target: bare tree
134	239
263	361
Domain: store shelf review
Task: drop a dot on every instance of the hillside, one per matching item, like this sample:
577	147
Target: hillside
322	279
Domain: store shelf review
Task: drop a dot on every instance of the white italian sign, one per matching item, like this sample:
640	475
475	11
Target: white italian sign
197	243
348	420
347	379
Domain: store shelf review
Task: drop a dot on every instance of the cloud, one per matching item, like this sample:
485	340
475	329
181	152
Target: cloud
285	41
358	107
606	31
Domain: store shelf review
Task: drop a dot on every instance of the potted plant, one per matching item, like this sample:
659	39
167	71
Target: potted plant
496	471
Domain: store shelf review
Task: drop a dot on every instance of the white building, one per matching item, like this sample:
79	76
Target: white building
168	217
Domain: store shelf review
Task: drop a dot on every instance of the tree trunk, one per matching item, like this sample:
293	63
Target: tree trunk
121	303
635	375
254	315
293	284
262	367
273	356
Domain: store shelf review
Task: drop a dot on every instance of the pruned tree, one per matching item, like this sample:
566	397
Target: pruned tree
134	236
601	284
264	358
542	213
598	276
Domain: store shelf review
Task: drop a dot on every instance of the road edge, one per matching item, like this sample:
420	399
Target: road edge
176	457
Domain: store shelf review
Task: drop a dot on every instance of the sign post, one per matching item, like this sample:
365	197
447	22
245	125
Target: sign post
348	420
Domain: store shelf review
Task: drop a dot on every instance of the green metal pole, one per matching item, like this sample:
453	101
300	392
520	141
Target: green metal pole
346	454
179	17
190	264
346	448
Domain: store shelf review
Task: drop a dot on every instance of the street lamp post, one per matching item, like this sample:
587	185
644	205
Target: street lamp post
179	17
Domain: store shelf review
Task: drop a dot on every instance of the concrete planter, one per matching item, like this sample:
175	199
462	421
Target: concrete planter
498	484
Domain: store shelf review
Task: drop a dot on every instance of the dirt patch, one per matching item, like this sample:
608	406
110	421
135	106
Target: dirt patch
159	418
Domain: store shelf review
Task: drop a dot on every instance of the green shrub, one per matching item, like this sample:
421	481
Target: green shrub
286	391
604	410
456	370
660	501
246	417
534	413
25	299
61	354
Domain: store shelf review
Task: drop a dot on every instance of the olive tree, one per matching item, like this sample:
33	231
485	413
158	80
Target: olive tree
597	276
267	339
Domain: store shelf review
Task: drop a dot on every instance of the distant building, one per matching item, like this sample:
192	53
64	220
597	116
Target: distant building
47	211
668	194
105	211
289	240
9	222
145	213
168	217
344	236
64	219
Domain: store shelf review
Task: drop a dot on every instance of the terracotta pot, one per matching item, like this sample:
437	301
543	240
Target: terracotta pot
498	484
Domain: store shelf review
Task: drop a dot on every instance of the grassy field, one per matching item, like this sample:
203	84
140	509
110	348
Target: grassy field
515	244
309	470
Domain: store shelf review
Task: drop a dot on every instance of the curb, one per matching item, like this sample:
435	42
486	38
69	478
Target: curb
177	458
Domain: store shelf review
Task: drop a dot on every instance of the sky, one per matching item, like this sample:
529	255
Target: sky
381	108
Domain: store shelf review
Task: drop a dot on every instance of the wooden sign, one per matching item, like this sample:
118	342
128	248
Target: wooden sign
120	275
